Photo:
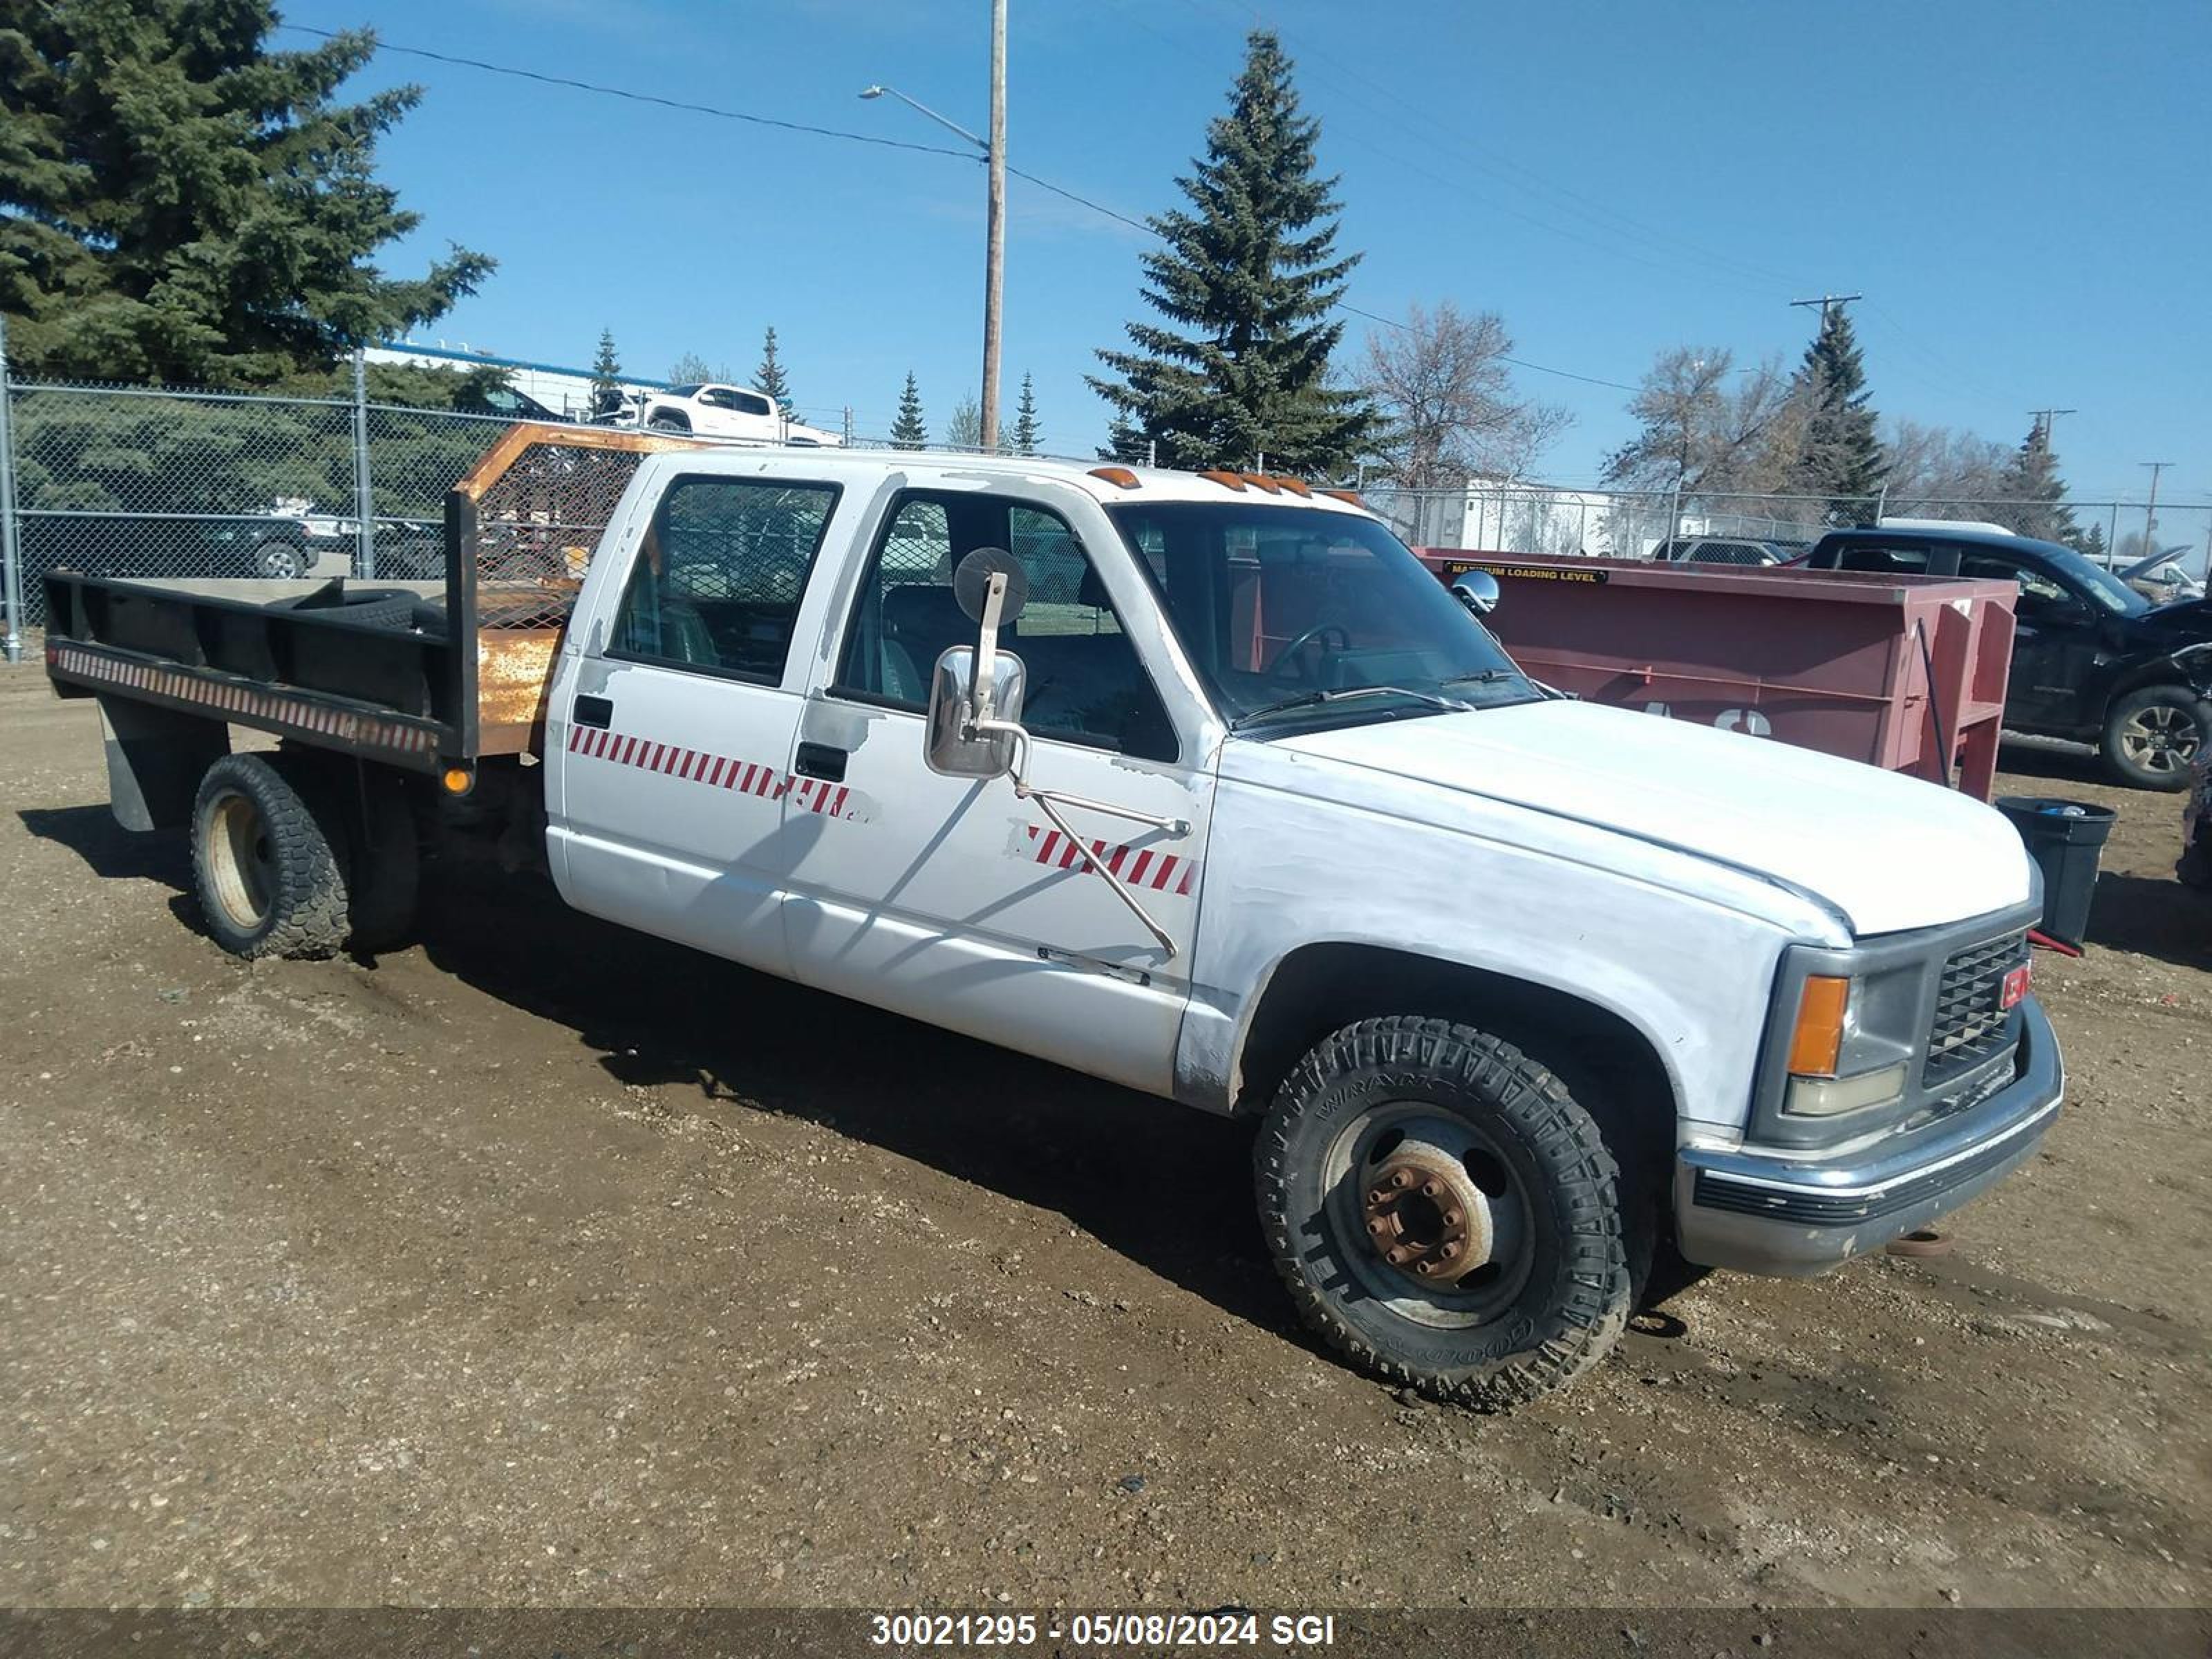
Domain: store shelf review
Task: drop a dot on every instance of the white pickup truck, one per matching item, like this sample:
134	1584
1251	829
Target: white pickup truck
1199	783
734	413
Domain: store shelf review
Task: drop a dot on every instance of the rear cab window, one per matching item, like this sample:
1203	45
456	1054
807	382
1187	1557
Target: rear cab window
719	576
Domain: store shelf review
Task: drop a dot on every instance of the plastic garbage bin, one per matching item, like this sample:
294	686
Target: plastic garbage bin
2065	838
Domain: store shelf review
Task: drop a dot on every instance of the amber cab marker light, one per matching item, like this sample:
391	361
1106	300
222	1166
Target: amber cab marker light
1818	1040
1230	479
1295	486
1120	477
1262	481
1351	496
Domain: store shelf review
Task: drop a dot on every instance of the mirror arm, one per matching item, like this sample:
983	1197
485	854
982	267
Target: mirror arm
1023	790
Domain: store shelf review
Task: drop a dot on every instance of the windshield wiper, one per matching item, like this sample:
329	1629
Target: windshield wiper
1315	699
1481	676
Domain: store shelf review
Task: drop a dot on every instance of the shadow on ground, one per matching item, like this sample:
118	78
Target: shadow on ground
2153	916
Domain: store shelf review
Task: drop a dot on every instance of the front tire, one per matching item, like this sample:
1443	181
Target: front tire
2152	733
1444	1212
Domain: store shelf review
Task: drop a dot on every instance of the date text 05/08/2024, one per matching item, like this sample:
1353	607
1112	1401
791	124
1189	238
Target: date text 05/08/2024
1143	1630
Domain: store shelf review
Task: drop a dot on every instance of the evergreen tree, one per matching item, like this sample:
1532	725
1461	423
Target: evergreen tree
2090	542
1124	443
1841	456
2038	494
907	432
769	377
179	203
1245	283
1028	434
606	370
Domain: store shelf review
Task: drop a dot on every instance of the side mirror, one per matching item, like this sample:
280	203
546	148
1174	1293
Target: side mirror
975	691
1477	590
954	747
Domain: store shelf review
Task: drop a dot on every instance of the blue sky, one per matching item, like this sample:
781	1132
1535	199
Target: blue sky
2020	190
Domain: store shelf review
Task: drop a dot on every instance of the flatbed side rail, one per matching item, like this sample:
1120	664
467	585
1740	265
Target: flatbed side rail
382	693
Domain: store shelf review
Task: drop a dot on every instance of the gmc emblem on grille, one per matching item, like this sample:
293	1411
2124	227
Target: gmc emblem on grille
2014	987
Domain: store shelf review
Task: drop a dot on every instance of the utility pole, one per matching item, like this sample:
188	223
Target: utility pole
2044	417
1827	300
994	253
2150	511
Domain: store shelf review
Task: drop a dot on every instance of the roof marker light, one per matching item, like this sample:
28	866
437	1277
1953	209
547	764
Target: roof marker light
1229	479
1121	477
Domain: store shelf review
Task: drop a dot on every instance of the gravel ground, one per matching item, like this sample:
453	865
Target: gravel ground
542	1262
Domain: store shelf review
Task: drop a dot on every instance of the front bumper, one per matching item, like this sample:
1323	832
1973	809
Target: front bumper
1769	1213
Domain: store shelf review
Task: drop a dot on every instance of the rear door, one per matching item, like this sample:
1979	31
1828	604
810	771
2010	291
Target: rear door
955	902
671	730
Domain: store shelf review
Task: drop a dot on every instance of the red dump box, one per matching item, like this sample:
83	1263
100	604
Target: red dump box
1906	672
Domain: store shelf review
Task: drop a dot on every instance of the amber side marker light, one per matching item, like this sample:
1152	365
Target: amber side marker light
1120	477
457	780
1818	1040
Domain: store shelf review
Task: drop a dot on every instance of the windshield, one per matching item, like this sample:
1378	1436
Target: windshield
1307	615
2106	588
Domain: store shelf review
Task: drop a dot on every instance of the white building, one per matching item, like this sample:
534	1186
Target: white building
566	391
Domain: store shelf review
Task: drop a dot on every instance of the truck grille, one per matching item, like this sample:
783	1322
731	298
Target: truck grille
1969	1026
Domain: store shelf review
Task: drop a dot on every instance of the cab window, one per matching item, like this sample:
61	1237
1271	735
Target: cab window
720	575
1086	683
2037	589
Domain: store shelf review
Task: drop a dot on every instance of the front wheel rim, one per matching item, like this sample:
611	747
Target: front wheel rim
1358	1167
2160	739
241	864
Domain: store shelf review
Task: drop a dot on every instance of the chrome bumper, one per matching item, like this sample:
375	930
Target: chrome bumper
1799	1215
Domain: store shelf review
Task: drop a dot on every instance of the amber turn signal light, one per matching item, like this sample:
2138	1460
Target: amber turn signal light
1818	1040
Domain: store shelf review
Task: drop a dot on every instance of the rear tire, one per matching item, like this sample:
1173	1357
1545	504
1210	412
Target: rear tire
1550	1291
2152	734
268	867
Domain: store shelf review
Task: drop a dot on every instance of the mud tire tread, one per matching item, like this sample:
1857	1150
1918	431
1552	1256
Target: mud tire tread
1591	1294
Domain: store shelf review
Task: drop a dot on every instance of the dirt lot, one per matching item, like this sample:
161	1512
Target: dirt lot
544	1262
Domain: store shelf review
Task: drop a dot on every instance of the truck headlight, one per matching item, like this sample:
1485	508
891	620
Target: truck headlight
1815	1097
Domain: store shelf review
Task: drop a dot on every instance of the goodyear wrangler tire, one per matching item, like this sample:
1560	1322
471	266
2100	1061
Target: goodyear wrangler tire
1444	1212
269	868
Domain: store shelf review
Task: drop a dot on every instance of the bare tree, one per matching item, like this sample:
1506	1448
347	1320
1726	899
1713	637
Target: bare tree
1710	429
1933	467
1445	385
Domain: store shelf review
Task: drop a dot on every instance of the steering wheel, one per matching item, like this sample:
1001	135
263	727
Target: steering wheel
1318	631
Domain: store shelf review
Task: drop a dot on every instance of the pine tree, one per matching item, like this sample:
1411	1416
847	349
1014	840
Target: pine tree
2039	507
769	378
1249	276
179	203
907	432
2091	543
1841	456
606	372
1125	444
1028	434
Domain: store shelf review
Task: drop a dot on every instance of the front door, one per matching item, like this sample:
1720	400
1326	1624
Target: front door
2054	643
962	905
671	743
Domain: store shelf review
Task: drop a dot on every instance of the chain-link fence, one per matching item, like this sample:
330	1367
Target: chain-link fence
2171	542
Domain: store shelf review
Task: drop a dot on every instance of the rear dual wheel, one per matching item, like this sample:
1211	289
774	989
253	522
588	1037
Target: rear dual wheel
1444	1212
285	865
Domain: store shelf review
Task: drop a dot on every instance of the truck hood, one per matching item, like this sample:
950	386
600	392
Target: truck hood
1888	852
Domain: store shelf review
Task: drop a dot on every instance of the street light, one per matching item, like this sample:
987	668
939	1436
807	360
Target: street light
994	218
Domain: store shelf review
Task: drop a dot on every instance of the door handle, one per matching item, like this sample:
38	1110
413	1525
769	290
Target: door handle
819	760
598	713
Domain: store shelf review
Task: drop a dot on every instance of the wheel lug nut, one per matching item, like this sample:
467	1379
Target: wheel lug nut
1400	1179
1430	1189
1451	1218
1424	1268
1397	1256
1450	1249
1378	1226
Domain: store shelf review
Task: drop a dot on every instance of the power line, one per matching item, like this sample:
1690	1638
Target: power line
715	111
720	113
